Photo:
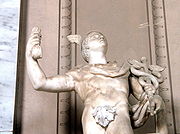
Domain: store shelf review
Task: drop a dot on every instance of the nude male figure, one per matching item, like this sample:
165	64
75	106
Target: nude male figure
103	87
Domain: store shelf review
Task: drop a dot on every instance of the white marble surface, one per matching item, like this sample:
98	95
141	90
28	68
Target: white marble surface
9	17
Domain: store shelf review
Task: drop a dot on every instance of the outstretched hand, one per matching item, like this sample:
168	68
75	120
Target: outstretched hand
33	48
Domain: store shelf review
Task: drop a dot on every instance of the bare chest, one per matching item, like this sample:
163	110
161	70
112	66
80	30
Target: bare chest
95	86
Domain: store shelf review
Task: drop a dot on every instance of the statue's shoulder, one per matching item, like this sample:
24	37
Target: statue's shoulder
79	71
74	72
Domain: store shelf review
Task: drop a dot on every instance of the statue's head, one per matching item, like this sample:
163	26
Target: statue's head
94	42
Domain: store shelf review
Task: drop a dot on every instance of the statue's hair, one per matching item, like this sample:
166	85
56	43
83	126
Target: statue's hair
84	45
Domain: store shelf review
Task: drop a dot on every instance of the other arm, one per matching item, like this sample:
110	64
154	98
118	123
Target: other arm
144	83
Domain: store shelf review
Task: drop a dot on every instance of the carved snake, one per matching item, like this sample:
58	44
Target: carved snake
142	75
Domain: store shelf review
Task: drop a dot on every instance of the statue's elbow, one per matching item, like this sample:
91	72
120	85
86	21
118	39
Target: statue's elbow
38	87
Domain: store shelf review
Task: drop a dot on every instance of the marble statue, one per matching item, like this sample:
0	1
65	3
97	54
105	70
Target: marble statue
103	86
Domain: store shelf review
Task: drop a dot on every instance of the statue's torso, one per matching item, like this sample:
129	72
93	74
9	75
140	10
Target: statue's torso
98	87
100	90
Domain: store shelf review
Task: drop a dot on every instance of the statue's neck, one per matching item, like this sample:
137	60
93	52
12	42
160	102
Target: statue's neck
97	58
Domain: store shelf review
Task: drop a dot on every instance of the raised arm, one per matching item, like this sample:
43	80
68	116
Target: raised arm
38	78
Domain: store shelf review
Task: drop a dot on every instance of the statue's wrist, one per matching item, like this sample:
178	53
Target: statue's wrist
29	57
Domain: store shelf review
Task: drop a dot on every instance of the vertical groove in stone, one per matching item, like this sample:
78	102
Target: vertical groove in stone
65	65
162	59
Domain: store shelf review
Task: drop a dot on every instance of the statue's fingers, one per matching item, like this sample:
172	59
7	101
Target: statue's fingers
35	39
152	108
35	35
36	30
31	41
36	42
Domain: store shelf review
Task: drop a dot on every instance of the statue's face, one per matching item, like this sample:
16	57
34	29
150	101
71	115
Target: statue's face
96	42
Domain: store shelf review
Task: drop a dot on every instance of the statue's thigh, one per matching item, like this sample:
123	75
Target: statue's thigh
89	124
121	124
